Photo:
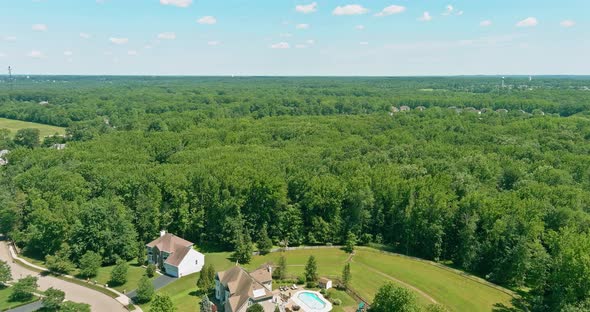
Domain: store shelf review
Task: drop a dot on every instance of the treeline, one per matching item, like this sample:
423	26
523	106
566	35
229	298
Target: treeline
502	196
131	102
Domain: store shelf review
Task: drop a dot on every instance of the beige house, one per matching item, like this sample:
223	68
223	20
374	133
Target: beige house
236	289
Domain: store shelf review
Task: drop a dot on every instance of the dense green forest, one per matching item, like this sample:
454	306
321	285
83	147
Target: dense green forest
215	160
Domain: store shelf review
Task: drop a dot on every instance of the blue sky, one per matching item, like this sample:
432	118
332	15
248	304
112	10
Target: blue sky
295	37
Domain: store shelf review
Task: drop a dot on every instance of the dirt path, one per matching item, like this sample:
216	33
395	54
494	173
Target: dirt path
425	295
98	301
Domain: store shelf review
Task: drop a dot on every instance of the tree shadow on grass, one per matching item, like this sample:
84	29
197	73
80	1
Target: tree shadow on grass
519	304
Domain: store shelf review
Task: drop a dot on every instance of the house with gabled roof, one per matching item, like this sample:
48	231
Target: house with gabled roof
236	289
174	255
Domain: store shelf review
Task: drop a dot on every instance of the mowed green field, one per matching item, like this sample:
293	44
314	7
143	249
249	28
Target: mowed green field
371	269
446	286
15	125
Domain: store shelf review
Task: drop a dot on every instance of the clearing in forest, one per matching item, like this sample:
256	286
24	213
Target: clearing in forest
15	125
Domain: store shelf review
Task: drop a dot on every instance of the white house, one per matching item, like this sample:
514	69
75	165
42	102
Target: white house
174	255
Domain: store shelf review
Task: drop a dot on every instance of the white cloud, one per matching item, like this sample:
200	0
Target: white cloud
360	27
39	27
119	40
302	26
207	20
10	38
178	3
449	10
307	8
167	36
68	53
310	41
280	45
36	54
426	17
300	46
85	35
363	43
567	23
132	53
390	10
459	13
213	43
528	22
350	9
485	23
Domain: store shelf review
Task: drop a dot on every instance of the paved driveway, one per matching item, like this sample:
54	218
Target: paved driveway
31	307
98	301
158	283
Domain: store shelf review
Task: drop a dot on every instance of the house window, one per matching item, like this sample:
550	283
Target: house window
197	262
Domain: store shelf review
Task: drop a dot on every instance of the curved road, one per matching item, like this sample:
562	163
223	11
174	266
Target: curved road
98	301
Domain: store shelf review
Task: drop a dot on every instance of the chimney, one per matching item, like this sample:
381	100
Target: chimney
269	268
162	233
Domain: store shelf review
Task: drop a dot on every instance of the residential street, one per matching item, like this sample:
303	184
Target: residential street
98	301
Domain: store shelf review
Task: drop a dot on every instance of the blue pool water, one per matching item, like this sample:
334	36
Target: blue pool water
312	300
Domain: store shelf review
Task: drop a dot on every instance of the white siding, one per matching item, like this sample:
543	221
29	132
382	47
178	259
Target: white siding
193	262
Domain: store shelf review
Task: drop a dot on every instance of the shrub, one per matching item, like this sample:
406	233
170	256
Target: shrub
301	280
53	299
145	290
23	289
150	271
119	273
59	264
337	302
90	263
322	291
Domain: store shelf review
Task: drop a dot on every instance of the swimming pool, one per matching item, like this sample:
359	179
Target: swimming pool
312	301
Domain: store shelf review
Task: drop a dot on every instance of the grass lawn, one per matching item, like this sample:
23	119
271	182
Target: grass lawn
15	125
133	276
183	294
348	303
330	261
448	287
456	292
5	304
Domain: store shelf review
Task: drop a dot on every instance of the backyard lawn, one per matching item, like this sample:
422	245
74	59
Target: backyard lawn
5	304
453	290
330	261
15	125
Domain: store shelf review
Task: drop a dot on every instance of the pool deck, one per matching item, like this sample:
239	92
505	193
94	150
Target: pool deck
295	299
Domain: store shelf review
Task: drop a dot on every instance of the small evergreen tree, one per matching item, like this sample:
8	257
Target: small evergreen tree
119	273
281	270
90	263
53	299
264	242
243	248
162	303
145	290
204	282
150	271
311	270
346	275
